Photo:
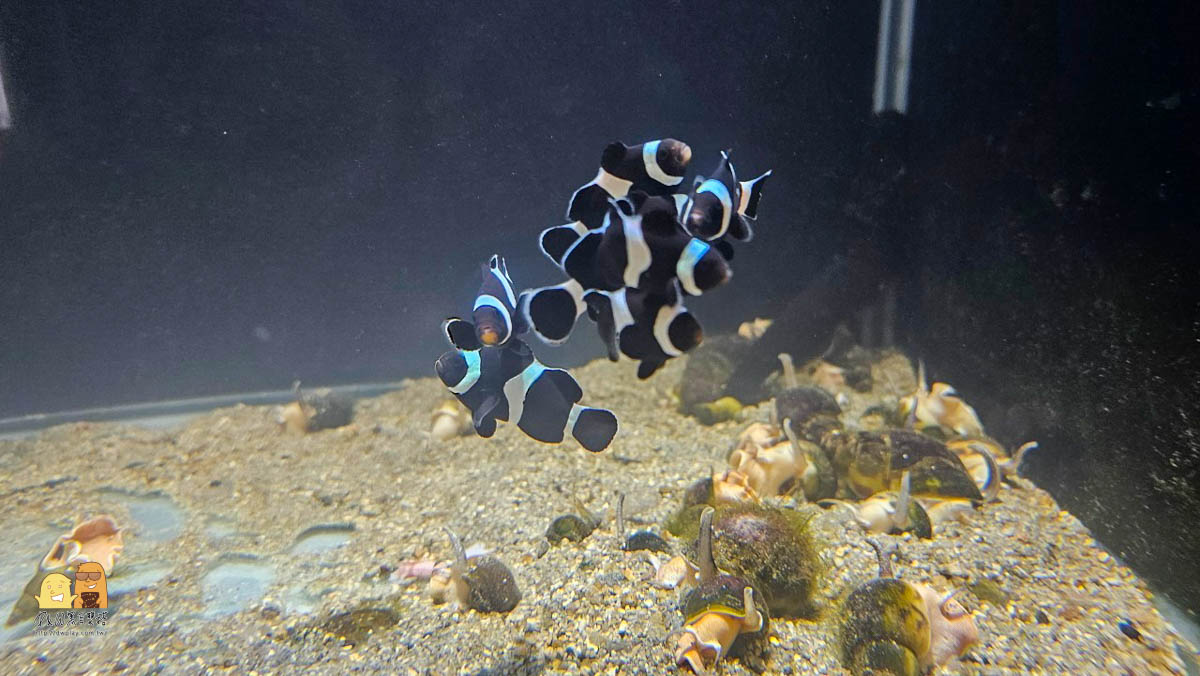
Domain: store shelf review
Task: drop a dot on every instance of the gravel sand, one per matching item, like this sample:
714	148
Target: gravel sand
223	585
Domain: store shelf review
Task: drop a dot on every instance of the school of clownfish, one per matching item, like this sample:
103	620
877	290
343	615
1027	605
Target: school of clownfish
638	242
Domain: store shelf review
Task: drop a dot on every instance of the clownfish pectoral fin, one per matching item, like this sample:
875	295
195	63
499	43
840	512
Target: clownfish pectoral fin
461	334
556	241
600	310
550	312
648	367
483	417
486	428
593	428
751	194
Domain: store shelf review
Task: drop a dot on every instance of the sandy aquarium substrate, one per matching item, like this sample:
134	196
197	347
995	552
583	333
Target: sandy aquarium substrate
249	550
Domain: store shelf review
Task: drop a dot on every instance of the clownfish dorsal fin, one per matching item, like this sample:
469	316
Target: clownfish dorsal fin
751	194
613	155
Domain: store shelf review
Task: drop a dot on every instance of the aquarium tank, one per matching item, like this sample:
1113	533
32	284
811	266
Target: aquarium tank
599	338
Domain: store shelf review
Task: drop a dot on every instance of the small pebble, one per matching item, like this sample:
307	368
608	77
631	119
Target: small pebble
1129	630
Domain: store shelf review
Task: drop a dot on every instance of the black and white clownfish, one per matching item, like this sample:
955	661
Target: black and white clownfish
654	167
494	317
720	205
508	383
641	245
647	327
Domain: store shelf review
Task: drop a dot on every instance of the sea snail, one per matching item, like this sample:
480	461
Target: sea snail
482	583
717	611
892	626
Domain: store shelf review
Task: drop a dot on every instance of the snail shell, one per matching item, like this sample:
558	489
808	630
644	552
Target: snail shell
449	420
482	583
803	405
569	527
870	462
885	627
938	406
711	413
717	611
903	628
769	470
445	426
317	410
644	540
773	550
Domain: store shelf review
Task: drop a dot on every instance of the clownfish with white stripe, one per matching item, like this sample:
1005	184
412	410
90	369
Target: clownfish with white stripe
721	205
647	327
508	383
576	239
494	317
495	375
654	167
640	245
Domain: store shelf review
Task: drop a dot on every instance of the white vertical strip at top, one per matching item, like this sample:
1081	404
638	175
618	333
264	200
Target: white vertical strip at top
893	60
903	60
883	57
5	115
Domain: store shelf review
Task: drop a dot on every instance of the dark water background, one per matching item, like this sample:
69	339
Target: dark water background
203	198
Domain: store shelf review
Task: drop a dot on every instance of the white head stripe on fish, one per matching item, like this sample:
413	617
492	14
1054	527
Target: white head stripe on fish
494	302
686	266
518	386
719	190
615	186
472	375
622	317
662	324
680	205
650	160
637	252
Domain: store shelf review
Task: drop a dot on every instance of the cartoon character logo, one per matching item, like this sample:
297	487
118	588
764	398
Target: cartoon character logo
56	592
91	587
